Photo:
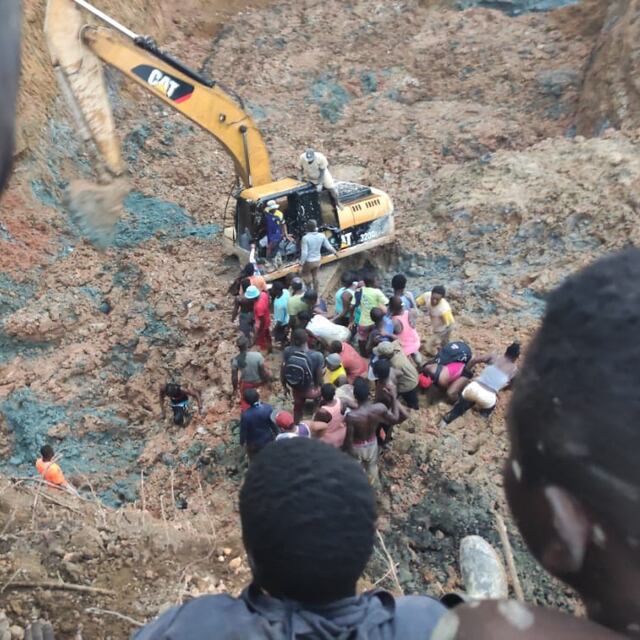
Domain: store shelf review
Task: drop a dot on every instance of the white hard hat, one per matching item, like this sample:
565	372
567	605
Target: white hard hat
272	204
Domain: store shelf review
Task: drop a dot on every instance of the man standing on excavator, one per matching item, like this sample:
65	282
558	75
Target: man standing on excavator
314	168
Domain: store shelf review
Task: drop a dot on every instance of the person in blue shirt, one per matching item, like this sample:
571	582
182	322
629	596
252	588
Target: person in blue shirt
256	427
276	228
280	297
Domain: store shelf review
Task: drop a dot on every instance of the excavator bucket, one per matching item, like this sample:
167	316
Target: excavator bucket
94	207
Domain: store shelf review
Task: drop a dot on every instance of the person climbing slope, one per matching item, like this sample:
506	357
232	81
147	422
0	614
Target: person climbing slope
257	429
243	307
262	319
179	400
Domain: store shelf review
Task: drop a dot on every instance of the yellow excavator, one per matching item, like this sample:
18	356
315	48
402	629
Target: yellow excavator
362	220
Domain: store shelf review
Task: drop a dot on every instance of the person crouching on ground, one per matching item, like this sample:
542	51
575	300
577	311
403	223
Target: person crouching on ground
482	391
50	470
571	477
335	373
406	374
308	542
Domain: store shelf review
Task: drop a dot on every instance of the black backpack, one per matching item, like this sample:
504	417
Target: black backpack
454	352
297	371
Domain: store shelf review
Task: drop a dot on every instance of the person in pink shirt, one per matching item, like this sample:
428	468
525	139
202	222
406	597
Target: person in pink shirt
354	364
262	317
336	428
404	326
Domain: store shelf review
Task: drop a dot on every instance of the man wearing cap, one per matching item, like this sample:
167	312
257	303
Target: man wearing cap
313	242
442	320
276	228
406	373
244	306
256	427
314	167
287	426
335	373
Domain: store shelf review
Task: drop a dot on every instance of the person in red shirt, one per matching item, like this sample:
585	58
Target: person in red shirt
51	471
262	317
354	364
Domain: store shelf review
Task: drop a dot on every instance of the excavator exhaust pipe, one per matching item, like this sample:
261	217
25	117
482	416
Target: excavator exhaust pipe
95	208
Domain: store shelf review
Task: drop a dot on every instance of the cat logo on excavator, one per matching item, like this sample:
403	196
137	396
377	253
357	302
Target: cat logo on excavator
166	84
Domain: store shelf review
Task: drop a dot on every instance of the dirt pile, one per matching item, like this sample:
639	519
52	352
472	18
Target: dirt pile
466	118
611	92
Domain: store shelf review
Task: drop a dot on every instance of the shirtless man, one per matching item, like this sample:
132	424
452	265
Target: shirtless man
386	392
362	423
482	391
179	400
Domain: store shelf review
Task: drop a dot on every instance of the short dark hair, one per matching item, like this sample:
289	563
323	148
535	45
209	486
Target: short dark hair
360	389
439	290
251	396
328	392
311	225
172	389
242	342
381	368
299	337
335	347
276	289
310	295
377	315
395	303
46	451
513	351
249	269
399	282
296	285
581	433
369	278
308	538
245	283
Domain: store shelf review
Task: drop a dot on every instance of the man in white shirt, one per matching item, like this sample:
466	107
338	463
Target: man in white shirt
314	168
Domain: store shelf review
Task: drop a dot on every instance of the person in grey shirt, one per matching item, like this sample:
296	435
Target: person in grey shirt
308	519
311	253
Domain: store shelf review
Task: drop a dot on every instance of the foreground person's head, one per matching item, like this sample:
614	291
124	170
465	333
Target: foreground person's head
573	475
307	538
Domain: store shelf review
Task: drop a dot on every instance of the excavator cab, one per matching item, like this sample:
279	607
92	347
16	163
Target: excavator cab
364	220
78	49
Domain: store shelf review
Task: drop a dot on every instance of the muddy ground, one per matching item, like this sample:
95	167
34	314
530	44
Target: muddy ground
467	118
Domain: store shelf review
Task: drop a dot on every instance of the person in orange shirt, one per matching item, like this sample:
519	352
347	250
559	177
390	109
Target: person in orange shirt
51	471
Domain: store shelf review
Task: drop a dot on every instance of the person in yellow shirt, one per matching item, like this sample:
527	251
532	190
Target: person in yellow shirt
335	373
50	471
441	316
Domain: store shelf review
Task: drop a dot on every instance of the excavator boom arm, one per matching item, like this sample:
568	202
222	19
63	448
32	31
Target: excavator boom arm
71	44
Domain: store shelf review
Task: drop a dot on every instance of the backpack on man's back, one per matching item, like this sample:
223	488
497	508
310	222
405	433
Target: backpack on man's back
297	371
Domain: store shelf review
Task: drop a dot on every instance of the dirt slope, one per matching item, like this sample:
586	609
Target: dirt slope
466	118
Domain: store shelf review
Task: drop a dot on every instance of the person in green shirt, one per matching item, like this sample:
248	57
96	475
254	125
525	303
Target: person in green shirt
296	302
370	298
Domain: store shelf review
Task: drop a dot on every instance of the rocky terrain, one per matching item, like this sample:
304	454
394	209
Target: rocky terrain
507	136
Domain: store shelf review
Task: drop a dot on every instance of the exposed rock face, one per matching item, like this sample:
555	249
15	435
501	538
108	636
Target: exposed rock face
611	91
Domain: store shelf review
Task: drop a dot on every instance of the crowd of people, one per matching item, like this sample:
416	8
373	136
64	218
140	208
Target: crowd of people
308	515
354	370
